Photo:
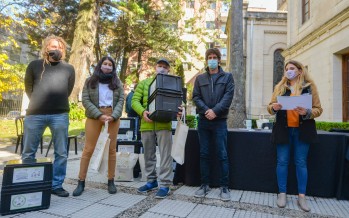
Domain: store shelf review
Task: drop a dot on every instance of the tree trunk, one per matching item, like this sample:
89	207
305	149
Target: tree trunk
98	51
84	39
124	64
237	113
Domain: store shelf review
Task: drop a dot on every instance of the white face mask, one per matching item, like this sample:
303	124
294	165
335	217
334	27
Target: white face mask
161	70
291	74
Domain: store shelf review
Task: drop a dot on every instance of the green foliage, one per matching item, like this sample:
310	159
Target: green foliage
42	18
190	88
11	75
321	125
190	120
77	111
124	27
8	129
179	70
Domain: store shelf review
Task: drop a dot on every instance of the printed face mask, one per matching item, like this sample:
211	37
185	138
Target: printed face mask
106	68
291	74
55	54
212	63
161	70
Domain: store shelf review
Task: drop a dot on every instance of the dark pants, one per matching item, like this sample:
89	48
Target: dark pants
213	137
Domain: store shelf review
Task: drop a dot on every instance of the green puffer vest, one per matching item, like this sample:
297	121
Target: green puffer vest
140	104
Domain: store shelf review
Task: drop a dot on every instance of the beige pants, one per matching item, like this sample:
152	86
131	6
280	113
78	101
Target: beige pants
164	141
93	128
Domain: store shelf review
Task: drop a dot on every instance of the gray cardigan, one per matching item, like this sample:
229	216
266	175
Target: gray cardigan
90	100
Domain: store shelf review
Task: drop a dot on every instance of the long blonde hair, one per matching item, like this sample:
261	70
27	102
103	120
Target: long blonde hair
44	54
302	81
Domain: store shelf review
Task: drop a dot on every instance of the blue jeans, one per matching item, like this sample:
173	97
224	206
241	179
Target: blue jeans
300	159
34	127
213	133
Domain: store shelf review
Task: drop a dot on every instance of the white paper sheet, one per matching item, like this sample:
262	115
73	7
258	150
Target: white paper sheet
291	102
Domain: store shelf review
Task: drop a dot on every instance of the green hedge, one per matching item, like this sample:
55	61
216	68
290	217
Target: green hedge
321	125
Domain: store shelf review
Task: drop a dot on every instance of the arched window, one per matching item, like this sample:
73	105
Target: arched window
278	67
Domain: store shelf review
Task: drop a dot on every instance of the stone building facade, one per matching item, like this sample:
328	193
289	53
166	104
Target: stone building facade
265	35
265	40
317	36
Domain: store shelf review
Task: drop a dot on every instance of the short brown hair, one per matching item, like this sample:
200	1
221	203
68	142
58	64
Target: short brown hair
213	51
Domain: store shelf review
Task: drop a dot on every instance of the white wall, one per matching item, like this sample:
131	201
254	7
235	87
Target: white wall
268	36
322	50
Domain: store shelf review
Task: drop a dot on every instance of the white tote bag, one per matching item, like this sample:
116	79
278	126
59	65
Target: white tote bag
125	162
103	168
142	166
179	139
97	155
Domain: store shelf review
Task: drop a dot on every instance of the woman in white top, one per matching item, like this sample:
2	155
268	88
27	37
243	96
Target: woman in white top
103	99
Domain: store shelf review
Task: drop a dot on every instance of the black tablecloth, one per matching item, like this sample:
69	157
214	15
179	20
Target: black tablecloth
252	164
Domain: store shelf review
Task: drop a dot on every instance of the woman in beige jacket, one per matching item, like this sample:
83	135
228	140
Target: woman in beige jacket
294	129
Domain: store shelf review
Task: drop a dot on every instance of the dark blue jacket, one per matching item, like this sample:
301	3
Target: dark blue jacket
216	94
130	112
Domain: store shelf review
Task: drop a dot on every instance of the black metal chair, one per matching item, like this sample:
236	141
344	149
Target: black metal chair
68	145
19	121
19	130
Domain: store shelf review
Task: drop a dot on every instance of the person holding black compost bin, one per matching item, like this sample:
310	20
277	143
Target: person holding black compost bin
152	132
294	129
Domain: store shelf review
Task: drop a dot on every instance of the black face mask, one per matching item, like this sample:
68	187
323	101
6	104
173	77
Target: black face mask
55	54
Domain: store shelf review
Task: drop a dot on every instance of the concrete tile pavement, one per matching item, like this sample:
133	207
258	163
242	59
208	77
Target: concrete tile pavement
96	202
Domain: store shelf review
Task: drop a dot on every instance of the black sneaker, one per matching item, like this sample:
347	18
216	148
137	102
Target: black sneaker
60	192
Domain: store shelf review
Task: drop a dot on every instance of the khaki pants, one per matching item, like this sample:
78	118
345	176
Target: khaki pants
164	141
93	128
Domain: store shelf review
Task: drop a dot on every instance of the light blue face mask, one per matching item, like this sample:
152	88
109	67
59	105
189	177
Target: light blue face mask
212	64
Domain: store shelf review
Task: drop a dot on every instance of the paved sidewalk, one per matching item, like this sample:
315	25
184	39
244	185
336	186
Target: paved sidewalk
96	202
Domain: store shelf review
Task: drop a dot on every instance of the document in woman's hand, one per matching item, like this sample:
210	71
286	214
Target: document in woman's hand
291	102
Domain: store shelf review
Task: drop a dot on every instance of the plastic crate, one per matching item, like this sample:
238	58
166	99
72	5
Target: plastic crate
29	198
27	172
166	82
26	185
127	125
163	107
129	146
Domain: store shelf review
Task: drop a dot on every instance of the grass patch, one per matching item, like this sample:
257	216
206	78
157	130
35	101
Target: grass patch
8	128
